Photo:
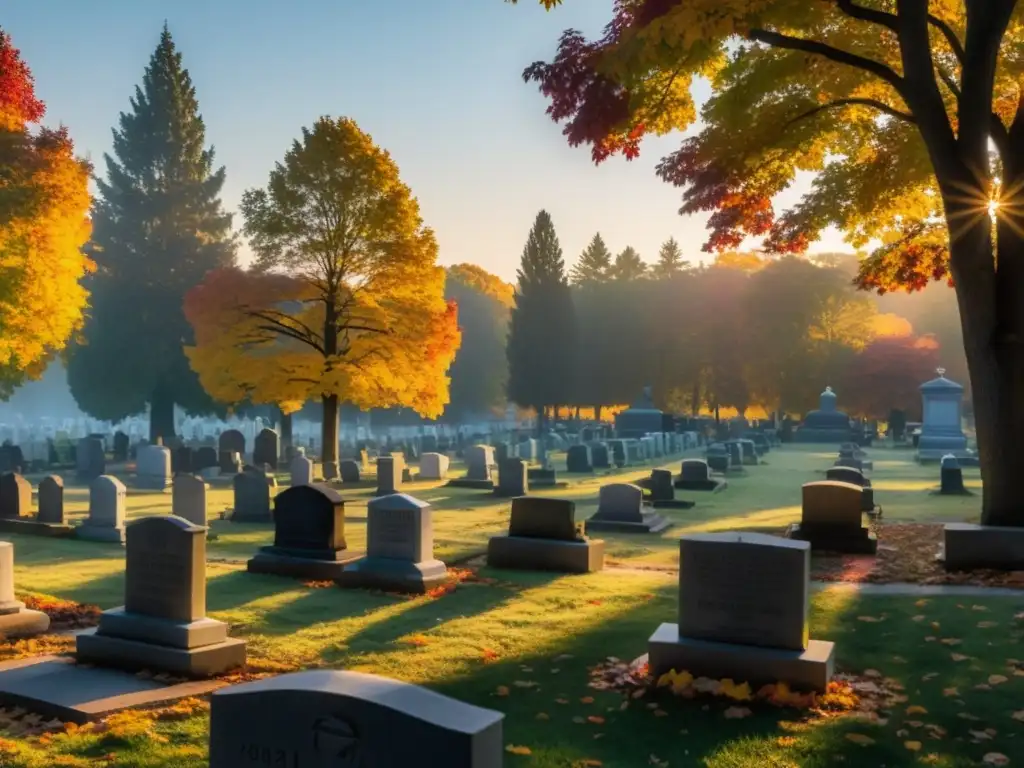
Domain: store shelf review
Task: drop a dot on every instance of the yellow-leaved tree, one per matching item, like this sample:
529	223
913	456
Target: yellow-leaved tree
348	301
44	202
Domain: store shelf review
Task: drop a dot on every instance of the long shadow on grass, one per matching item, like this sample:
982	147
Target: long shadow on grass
104	591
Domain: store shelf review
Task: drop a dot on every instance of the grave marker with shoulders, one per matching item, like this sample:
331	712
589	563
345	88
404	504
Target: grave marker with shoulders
399	548
267	448
735	456
188	499
743	605
479	460
15	619
513	478
434	466
326	717
90	459
309	535
543	536
621	509
695	475
153	467
578	459
163	626
107	496
389	475
831	519
252	497
951	477
301	470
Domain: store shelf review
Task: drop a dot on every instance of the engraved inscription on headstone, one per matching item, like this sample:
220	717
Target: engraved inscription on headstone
165	571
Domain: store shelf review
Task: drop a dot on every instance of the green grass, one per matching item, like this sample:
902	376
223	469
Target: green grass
527	623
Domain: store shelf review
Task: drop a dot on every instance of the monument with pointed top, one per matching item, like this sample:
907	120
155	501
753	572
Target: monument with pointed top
941	427
826	425
641	418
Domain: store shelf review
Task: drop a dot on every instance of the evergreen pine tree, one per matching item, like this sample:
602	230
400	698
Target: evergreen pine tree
670	260
542	331
158	228
628	265
594	263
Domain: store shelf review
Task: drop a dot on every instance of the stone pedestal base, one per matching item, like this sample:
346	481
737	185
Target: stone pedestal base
710	485
99	533
969	546
476	485
32	527
826	538
150	629
392	575
23	623
525	554
133	655
270	561
650	522
809	670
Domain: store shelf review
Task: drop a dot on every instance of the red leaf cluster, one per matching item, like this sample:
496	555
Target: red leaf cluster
908	265
17	90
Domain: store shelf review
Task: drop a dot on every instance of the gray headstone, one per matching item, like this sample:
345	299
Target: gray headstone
153	467
389	475
188	499
107	496
433	466
7	602
301	470
540	518
51	500
745	588
15	496
90	458
330	718
266	448
400	527
513	478
309	518
621	500
479	460
165	571
252	496
694	470
349	471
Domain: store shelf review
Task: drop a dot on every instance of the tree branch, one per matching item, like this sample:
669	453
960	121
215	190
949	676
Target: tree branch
779	40
280	328
855	11
881	107
950	34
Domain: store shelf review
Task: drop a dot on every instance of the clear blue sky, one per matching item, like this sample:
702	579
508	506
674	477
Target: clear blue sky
436	82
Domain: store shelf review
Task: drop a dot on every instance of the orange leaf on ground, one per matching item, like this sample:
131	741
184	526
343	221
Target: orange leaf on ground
997	679
914	709
502	690
490	655
596	719
587	700
958	657
913	746
512	749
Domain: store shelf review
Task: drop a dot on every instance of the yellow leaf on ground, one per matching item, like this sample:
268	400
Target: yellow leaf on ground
913	746
870	619
950	692
921	603
914	709
860	738
1018	715
786	741
997	679
590	763
596	719
512	749
995	758
958	657
951	641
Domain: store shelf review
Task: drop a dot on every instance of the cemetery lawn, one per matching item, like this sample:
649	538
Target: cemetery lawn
523	643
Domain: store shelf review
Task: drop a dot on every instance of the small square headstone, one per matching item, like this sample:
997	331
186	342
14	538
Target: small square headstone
540	518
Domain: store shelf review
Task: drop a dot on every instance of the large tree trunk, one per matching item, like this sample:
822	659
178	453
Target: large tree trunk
286	430
329	437
161	416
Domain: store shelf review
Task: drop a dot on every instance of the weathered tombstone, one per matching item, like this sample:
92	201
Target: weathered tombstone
749	451
51	501
107	497
301	470
15	619
252	497
735	454
267	448
15	496
621	509
326	717
951	476
831	517
349	471
153	467
188	499
617	449
433	466
695	475
399	548
578	459
513	479
205	458
389	475
309	535
90	459
163	625
479	460
182	460
599	456
719	458
121	444
543	536
743	603
231	441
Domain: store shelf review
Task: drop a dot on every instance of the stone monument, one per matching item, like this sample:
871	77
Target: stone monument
330	718
695	475
621	509
163	626
941	429
825	425
107	496
831	517
743	603
543	536
641	418
399	548
15	619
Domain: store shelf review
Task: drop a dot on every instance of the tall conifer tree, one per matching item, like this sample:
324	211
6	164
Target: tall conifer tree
628	265
158	229
594	263
543	328
670	260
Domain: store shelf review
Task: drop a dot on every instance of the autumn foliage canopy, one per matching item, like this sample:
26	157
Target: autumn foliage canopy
44	201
